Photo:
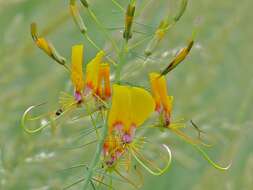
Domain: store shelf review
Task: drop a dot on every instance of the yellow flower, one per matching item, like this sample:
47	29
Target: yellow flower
77	70
160	94
131	106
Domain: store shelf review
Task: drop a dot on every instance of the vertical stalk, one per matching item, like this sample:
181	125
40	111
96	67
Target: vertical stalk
89	174
122	60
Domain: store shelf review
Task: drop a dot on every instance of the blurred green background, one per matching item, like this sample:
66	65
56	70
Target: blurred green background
214	87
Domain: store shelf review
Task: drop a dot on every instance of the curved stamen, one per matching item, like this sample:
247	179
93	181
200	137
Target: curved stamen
207	158
188	139
160	171
203	153
25	118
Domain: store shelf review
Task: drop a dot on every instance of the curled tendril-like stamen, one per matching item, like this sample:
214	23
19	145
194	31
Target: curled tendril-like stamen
201	151
160	171
188	138
208	159
26	117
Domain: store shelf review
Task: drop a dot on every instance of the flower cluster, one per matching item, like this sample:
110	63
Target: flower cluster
125	107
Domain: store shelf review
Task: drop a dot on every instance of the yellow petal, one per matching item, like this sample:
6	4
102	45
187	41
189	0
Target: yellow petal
130	106
155	89
76	67
163	91
142	105
168	104
103	86
92	71
121	106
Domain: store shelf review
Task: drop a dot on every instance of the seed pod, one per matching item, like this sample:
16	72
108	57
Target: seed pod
77	17
129	17
179	58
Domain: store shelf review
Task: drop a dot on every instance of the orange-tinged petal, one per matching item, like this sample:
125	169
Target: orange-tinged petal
163	91
168	104
160	92
103	86
76	68
155	89
92	71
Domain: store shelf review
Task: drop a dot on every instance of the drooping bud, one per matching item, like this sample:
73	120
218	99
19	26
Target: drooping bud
47	46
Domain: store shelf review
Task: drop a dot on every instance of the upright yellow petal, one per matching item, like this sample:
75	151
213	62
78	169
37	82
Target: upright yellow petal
162	89
168	104
155	89
142	105
160	92
103	86
121	106
92	71
76	68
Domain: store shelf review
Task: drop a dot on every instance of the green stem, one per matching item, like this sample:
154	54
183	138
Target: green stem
100	25
118	5
89	174
122	60
97	47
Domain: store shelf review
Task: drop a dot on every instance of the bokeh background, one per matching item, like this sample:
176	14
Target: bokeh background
214	87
